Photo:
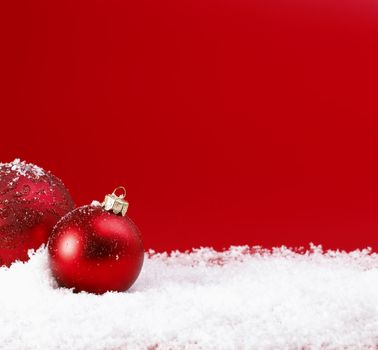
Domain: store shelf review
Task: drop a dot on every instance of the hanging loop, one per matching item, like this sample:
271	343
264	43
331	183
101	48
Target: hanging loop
123	195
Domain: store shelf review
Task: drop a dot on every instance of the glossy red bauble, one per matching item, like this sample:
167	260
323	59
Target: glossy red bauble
96	251
31	203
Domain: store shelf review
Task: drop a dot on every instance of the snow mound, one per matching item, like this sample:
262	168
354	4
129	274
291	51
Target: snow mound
242	298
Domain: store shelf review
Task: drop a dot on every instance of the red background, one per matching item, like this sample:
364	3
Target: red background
229	121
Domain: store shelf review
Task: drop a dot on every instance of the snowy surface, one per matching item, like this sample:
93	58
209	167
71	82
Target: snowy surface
21	168
238	299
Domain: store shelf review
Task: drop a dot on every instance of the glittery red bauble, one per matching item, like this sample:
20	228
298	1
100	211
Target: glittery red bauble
31	202
96	251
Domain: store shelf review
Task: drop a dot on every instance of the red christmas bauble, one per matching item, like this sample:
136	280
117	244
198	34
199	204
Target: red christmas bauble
31	203
95	250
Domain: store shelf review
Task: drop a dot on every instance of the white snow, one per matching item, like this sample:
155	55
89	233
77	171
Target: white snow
21	168
237	299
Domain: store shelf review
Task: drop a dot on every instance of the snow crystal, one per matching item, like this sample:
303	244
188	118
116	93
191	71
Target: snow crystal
242	298
23	169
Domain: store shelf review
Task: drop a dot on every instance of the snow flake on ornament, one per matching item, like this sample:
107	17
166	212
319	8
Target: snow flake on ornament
21	168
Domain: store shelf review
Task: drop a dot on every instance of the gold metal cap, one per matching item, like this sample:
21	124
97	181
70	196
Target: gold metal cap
115	203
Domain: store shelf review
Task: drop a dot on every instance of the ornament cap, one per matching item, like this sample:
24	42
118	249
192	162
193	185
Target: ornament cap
116	204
